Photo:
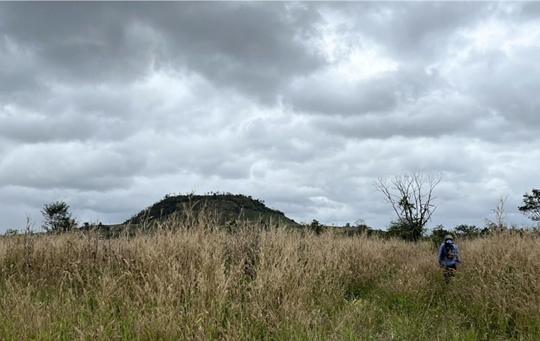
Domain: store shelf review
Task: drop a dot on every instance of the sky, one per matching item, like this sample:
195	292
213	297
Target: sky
109	106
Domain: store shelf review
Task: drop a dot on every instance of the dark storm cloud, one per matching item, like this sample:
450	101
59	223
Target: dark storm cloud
252	47
249	46
78	42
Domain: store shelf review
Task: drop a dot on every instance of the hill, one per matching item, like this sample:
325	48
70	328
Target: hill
224	207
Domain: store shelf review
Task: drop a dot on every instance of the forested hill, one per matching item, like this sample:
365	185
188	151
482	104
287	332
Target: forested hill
225	206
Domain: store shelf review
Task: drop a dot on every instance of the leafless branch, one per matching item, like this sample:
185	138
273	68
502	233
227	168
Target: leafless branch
411	197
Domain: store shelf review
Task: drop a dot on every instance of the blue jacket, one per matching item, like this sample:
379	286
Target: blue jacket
449	262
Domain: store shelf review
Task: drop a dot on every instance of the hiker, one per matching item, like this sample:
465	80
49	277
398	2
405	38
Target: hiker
449	257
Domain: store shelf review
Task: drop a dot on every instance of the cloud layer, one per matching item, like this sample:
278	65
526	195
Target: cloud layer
110	106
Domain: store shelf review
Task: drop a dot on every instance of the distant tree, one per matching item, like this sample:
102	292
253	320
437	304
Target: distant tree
411	200
401	229
11	232
316	227
396	230
470	231
57	218
531	205
439	232
465	230
361	226
437	235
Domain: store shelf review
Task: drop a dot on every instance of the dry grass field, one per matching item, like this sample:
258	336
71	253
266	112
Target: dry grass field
254	284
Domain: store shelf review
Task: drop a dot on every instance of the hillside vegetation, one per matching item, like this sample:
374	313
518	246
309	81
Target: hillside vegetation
255	283
220	207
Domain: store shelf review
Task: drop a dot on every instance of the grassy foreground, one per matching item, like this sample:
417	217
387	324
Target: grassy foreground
264	285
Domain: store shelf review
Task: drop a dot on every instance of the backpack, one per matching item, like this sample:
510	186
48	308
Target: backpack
449	251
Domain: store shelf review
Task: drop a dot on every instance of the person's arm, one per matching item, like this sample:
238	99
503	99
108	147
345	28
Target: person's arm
458	260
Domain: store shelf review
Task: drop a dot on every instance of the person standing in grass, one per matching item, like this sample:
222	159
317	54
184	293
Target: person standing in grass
449	257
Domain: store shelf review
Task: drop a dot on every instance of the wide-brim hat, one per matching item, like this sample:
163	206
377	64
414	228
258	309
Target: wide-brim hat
448	236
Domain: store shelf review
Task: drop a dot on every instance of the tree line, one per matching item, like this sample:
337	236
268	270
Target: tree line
411	197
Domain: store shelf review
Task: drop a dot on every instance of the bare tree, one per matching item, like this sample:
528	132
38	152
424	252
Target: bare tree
411	197
499	224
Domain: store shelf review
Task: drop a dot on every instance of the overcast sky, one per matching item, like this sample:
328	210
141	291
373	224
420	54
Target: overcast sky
110	106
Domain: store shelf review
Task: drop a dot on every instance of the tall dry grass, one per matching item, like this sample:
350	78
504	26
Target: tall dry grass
258	284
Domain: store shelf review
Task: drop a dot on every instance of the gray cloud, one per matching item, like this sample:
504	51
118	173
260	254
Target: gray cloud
417	33
71	166
254	48
508	84
228	43
109	106
379	95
